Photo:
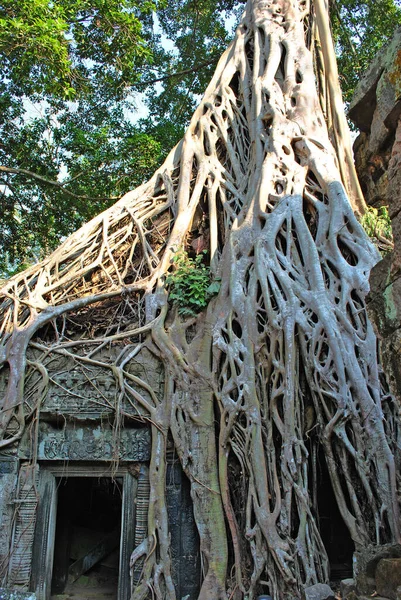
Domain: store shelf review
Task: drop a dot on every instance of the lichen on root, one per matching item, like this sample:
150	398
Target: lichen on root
282	361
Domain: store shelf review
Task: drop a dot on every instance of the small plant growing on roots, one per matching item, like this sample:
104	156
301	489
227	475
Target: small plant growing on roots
278	370
189	285
377	224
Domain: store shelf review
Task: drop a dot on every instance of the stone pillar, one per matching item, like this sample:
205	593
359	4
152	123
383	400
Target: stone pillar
42	559
8	484
128	525
19	570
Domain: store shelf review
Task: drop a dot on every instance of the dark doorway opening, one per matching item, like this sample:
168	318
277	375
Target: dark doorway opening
87	542
335	535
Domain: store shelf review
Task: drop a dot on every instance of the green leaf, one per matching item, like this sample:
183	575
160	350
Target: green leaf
188	283
214	288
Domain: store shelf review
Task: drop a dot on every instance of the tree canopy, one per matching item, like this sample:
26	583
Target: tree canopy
360	29
75	73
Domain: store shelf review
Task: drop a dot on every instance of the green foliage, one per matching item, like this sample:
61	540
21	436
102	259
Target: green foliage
70	47
68	146
189	285
360	28
71	74
377	224
198	35
95	156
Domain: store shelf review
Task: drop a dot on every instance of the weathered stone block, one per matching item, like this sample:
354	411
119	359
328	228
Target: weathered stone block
387	111
372	597
380	84
365	564
388	577
384	299
366	584
390	358
384	308
363	103
347	586
319	591
394	175
16	595
378	131
396	226
351	596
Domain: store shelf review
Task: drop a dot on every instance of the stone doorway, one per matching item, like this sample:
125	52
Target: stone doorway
335	535
71	456
84	535
87	537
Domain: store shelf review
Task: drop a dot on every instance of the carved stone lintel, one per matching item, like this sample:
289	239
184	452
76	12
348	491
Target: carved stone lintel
90	444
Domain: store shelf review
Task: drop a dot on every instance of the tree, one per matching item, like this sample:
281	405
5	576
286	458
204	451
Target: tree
281	362
67	151
71	74
360	29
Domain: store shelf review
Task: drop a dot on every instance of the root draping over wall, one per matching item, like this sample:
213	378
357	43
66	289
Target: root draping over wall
283	360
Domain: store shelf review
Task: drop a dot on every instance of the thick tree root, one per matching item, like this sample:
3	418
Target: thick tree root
281	363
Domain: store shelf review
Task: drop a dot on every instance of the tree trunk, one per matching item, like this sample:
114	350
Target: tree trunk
282	361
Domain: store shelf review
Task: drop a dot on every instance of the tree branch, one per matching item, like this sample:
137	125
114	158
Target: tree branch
57	184
179	73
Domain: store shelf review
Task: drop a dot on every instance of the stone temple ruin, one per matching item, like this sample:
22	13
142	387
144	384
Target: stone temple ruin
83	507
244	450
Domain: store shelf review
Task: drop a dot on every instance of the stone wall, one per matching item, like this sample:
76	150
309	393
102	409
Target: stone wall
376	110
